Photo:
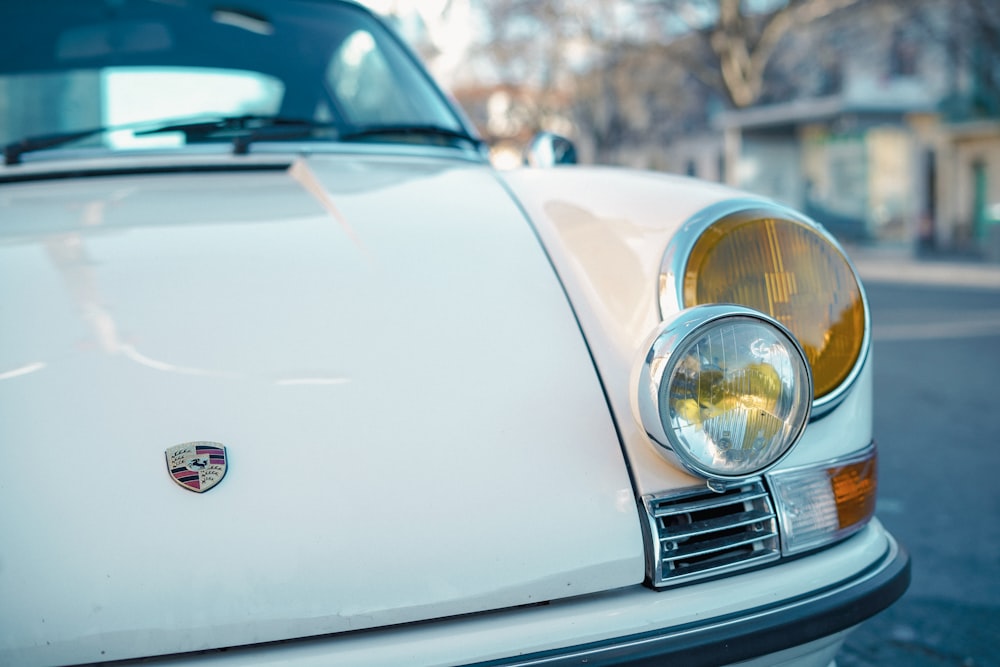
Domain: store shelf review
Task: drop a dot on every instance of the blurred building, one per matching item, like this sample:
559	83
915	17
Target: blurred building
879	134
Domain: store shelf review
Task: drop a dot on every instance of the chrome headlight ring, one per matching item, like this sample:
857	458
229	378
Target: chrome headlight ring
723	391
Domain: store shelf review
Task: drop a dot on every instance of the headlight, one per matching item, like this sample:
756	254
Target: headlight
771	259
724	390
823	503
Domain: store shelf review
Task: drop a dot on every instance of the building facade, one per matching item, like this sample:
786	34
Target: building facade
907	146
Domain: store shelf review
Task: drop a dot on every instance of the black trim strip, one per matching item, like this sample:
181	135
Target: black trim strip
84	172
745	636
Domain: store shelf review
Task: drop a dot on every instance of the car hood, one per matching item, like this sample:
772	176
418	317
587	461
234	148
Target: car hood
413	423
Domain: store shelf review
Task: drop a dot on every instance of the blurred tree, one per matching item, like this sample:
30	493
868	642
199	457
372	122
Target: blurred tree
541	48
631	100
588	67
728	44
624	75
615	59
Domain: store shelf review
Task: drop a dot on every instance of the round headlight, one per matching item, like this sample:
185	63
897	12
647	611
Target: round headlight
771	259
724	390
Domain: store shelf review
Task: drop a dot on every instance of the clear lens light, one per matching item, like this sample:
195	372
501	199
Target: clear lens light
821	504
733	397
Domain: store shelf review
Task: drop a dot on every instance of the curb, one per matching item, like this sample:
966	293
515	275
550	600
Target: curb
898	265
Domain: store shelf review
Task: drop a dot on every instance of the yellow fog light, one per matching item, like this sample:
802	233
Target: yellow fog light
821	504
724	391
771	259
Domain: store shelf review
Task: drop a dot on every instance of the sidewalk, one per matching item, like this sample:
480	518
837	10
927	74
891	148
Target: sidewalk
899	264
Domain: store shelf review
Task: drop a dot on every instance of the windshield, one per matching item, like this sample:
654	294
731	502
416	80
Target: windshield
71	66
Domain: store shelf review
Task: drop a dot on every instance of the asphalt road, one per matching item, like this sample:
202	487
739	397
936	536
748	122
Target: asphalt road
937	424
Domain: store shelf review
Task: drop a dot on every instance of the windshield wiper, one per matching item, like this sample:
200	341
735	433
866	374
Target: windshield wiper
13	151
235	126
434	131
243	129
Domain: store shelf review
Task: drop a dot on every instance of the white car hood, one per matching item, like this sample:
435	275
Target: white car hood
414	425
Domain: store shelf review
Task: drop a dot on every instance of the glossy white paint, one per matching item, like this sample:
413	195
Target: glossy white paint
606	230
415	428
571	622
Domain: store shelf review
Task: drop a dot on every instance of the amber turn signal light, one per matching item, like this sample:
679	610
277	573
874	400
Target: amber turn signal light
821	504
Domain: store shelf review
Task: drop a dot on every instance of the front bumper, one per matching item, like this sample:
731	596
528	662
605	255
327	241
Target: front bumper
752	634
797	611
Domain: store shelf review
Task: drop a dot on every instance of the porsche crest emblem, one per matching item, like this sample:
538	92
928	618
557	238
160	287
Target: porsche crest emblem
197	466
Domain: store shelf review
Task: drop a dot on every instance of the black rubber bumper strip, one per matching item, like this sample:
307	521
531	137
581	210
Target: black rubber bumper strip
749	634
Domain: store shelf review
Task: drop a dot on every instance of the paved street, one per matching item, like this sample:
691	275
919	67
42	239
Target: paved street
937	422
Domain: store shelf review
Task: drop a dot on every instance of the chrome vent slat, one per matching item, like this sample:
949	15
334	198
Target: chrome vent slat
707	527
699	533
698	505
712	547
729	563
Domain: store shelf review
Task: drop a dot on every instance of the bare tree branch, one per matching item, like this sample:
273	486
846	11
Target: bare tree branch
741	44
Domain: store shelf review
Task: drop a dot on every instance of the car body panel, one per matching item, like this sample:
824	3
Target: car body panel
606	230
309	319
633	612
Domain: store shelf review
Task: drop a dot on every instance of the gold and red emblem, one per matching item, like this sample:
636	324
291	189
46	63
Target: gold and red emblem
197	466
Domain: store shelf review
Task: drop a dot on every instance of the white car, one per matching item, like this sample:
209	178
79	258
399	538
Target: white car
290	375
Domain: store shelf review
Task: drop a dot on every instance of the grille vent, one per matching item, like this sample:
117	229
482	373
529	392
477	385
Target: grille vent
700	533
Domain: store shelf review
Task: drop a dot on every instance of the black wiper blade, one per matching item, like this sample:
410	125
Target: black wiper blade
409	130
244	124
243	130
13	151
246	129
